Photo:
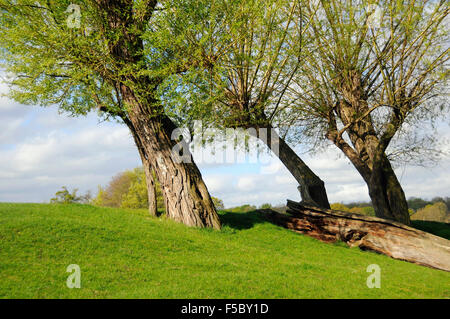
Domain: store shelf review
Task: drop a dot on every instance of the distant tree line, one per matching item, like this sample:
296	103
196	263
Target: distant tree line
127	189
357	208
436	209
414	203
438	212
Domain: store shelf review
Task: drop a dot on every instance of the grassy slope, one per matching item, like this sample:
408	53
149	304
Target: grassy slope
126	254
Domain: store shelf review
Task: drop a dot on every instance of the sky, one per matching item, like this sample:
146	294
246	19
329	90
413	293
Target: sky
42	150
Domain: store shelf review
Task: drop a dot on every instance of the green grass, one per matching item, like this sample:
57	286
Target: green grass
127	254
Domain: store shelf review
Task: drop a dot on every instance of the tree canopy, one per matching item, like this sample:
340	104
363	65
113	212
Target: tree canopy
361	75
105	55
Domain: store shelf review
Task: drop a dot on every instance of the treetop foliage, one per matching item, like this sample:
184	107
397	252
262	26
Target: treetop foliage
51	60
396	66
240	63
242	57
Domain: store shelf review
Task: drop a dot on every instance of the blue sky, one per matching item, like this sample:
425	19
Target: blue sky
41	150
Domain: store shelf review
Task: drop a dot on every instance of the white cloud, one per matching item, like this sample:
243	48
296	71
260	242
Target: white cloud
217	183
271	168
246	183
44	150
285	179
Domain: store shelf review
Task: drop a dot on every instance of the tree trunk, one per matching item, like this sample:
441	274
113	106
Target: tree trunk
151	186
312	188
368	156
385	191
368	233
388	198
186	196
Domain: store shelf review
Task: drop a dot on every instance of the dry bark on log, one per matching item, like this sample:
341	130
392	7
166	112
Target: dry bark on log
368	233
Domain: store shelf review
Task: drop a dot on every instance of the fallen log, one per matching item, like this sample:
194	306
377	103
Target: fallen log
366	232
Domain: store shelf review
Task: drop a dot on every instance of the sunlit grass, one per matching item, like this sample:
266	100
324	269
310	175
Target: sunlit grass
127	254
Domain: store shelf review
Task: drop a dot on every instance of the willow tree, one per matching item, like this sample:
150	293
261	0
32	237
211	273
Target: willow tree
93	56
242	56
374	70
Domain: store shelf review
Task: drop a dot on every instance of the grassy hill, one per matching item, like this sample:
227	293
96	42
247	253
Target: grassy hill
127	254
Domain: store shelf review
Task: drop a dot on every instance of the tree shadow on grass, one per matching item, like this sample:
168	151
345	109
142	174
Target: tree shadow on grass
435	228
242	220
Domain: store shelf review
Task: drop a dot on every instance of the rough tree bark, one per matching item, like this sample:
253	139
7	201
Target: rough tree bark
368	151
388	198
368	233
186	197
312	188
151	185
385	191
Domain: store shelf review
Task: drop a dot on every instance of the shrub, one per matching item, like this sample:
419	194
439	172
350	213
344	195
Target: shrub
127	189
64	196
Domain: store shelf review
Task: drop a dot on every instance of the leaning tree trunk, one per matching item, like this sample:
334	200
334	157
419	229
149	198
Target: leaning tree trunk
312	188
151	185
186	196
388	198
366	232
